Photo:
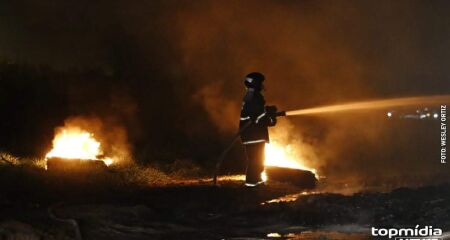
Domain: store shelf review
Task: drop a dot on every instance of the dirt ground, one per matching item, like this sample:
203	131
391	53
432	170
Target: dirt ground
56	208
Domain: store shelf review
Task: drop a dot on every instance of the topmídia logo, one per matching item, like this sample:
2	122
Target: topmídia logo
416	233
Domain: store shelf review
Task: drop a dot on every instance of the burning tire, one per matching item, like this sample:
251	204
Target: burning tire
298	177
62	164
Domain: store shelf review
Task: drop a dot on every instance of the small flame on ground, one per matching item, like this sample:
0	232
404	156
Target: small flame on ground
274	235
288	198
74	143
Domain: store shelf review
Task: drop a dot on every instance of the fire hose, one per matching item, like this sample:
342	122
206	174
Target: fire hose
271	112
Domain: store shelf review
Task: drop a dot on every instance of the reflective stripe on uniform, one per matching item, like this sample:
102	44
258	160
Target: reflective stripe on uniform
244	118
260	116
254	141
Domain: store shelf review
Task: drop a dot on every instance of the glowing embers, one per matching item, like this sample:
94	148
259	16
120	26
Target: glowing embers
73	147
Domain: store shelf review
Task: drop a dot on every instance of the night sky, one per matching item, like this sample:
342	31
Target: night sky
167	75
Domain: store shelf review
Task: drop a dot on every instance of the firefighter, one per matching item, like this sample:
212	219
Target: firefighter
256	121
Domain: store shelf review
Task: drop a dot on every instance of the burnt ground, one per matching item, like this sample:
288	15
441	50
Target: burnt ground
36	205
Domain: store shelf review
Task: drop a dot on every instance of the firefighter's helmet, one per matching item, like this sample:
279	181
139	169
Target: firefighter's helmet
254	80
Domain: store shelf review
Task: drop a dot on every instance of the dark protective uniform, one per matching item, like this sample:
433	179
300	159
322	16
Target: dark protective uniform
254	136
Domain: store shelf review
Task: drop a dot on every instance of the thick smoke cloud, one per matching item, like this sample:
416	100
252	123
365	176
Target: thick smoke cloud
170	72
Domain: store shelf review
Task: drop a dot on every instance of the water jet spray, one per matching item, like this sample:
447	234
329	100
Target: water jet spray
373	104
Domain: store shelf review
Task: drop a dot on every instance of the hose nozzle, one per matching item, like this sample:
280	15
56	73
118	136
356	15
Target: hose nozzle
280	114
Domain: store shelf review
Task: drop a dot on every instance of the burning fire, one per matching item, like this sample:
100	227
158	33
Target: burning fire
74	143
282	156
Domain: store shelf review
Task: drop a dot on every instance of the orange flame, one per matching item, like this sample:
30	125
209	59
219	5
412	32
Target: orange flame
282	156
75	143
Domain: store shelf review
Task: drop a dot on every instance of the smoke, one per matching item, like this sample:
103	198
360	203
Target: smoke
301	149
221	110
367	149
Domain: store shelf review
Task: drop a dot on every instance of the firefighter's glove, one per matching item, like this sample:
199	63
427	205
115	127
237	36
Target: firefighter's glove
269	117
